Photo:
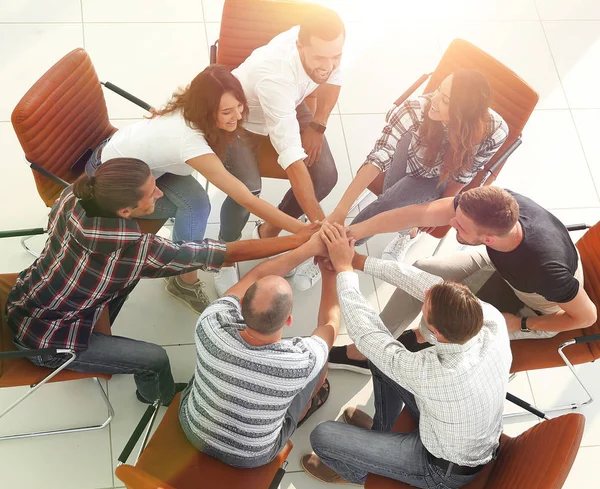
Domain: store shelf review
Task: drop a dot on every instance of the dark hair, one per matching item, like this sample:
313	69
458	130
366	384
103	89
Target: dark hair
199	104
470	99
454	311
271	320
322	23
115	185
491	208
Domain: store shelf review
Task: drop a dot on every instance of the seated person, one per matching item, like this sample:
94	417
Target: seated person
94	257
191	133
536	274
277	78
251	387
431	147
454	389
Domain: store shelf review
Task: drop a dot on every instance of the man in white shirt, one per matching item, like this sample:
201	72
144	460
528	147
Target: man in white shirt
454	389
276	79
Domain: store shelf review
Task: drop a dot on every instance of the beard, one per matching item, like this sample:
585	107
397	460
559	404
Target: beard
477	242
312	73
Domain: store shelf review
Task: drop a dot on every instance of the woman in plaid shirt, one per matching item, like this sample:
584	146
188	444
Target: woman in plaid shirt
94	256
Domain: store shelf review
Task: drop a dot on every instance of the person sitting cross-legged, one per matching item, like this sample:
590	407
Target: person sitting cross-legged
252	387
454	388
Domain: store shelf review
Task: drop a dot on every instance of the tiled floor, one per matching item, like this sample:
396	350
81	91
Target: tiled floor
151	47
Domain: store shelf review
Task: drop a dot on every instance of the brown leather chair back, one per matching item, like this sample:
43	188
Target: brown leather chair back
59	118
539	458
170	458
249	24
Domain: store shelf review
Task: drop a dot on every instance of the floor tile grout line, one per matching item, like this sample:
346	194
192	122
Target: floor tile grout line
205	30
110	445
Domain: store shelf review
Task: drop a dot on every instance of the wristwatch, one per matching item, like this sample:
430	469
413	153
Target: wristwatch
524	327
320	128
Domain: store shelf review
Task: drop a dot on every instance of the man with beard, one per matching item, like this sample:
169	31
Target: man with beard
529	268
276	79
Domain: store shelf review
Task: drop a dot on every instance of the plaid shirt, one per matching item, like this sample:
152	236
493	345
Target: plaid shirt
459	389
87	262
407	118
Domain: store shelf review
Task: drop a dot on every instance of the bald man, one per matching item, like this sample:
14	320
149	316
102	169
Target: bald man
252	387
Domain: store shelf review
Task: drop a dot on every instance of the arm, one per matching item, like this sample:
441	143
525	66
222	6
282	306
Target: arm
436	213
210	166
578	313
312	141
366	174
279	265
304	191
328	323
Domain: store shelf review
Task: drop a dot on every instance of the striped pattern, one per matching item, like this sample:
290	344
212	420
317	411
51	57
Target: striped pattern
240	392
86	262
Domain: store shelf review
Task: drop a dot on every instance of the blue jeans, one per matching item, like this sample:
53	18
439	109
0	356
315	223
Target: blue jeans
400	189
354	452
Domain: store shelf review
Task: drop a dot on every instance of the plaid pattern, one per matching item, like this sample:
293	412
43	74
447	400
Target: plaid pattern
87	262
459	389
407	118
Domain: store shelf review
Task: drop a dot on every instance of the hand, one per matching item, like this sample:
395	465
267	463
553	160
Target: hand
307	231
316	245
312	142
336	216
325	265
339	246
427	230
513	323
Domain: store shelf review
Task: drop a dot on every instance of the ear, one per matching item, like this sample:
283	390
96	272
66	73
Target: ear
299	45
289	320
124	213
489	240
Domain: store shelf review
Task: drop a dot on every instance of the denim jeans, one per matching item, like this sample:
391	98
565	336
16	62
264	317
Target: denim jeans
109	354
243	154
400	189
354	452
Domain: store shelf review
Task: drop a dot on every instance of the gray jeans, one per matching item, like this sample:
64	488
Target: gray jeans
400	189
242	161
354	452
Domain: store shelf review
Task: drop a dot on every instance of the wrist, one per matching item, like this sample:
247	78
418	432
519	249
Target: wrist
347	267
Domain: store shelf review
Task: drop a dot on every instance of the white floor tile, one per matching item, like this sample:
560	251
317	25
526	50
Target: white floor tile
522	47
27	51
301	480
141	11
213	10
550	166
584	473
362	131
587	123
137	58
576	50
574	10
555	387
49	11
379	65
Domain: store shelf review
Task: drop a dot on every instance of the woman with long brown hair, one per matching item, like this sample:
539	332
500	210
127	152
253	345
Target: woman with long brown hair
190	133
431	147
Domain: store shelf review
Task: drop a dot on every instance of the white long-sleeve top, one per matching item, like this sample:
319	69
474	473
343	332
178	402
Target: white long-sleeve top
459	389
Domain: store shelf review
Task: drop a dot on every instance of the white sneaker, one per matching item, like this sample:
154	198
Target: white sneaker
307	276
396	250
255	235
226	278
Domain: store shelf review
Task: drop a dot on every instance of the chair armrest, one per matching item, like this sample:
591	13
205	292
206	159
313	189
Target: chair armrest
587	338
132	98
139	479
501	160
577	227
213	53
137	433
276	482
21	232
412	88
7	355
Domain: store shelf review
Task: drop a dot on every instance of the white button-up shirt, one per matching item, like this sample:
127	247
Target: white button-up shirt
275	83
459	389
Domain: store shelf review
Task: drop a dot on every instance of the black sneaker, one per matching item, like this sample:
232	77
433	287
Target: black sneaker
179	386
338	359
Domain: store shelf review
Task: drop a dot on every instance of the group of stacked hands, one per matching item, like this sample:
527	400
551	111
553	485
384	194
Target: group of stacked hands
251	387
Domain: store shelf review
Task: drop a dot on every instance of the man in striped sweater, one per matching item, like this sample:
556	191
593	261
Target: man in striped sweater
251	387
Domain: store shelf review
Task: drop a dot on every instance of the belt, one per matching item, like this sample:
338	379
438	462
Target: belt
458	469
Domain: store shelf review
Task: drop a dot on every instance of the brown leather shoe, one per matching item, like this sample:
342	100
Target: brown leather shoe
313	466
356	417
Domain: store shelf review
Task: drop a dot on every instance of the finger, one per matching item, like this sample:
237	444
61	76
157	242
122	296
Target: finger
341	230
329	236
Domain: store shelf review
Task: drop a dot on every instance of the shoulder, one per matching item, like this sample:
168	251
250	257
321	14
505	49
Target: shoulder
228	304
497	126
411	111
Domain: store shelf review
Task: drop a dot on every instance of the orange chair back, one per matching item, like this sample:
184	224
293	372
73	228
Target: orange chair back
59	118
249	24
539	458
20	371
170	458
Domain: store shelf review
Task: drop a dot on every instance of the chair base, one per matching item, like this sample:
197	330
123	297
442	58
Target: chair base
570	407
27	248
105	423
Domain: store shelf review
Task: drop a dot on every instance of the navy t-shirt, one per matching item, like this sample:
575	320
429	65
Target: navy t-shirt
545	261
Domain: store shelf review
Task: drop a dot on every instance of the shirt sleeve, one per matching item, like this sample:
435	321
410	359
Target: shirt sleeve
373	339
556	283
487	148
276	99
165	258
320	351
399	120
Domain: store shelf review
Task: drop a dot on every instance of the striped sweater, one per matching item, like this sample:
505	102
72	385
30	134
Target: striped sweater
240	392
